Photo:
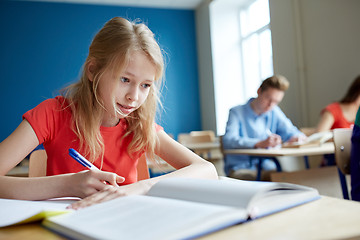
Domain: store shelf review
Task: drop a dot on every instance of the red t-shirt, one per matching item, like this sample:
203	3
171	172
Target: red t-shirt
51	121
339	120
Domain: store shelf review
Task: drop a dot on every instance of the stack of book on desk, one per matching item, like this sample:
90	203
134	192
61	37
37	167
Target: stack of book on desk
174	208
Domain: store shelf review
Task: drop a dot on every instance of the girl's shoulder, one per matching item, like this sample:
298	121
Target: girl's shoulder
50	107
334	108
333	105
57	103
49	117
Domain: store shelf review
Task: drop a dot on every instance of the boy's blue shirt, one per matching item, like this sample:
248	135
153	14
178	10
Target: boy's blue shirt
245	128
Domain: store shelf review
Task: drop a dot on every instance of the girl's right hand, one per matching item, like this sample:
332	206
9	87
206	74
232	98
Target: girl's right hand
88	182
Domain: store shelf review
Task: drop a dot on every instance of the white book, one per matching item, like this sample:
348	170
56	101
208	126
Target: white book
178	208
14	212
314	140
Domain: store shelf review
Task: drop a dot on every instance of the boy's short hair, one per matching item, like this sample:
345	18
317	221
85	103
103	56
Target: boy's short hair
277	81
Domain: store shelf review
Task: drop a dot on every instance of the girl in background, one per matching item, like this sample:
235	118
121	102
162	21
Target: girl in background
109	117
341	114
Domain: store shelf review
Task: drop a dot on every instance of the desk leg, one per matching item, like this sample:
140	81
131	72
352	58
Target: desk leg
306	160
258	176
343	185
278	166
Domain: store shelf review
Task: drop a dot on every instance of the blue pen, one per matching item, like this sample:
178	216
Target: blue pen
80	159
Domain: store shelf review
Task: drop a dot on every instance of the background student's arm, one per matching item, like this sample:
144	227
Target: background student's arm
187	163
326	122
234	137
285	128
16	147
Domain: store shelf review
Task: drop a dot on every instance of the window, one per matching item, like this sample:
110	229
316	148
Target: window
256	48
241	53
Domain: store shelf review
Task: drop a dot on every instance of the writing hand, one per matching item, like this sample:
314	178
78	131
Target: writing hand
272	141
88	182
110	192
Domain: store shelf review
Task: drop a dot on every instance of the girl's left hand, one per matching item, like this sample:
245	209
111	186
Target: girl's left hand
111	192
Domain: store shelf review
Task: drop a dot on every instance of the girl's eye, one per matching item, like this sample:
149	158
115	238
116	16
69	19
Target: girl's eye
124	79
146	85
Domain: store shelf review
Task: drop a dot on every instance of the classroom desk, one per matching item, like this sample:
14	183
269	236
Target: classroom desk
273	153
325	148
208	150
203	146
326	218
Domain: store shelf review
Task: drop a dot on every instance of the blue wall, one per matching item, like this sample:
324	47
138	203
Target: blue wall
43	46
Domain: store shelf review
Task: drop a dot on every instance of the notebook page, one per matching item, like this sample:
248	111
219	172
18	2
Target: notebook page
144	217
234	193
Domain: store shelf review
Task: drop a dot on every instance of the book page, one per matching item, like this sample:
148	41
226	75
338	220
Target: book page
145	217
279	200
313	140
22	211
280	197
320	137
180	208
234	193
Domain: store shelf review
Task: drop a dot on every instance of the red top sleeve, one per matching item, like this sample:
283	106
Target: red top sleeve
339	120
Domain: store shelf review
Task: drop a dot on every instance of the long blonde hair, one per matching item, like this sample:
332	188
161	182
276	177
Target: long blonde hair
111	49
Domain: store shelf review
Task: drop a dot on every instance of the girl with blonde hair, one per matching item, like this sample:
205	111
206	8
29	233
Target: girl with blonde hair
108	116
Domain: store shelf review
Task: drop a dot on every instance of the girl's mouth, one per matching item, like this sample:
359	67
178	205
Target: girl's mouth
124	110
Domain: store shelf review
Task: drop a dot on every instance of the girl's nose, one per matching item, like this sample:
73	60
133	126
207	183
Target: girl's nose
132	94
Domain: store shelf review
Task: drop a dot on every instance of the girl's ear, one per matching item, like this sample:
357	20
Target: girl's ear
90	70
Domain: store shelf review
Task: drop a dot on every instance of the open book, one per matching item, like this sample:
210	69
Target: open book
178	208
21	211
313	140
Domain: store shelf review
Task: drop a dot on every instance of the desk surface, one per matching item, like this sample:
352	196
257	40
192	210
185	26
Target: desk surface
326	218
325	148
203	145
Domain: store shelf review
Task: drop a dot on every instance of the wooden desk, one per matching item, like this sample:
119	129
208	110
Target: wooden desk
325	148
326	218
203	146
305	152
208	150
22	170
31	231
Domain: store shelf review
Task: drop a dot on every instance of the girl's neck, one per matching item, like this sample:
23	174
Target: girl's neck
351	106
110	121
349	110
